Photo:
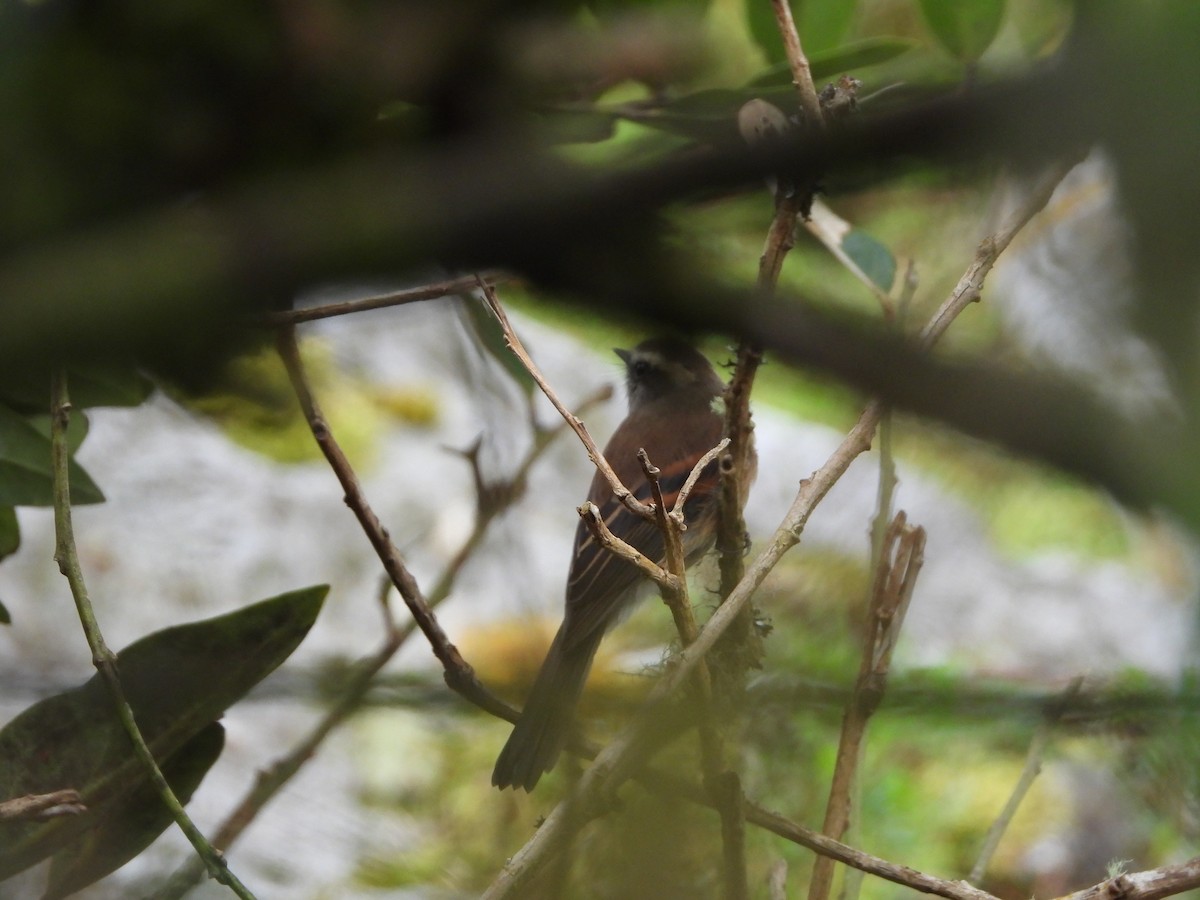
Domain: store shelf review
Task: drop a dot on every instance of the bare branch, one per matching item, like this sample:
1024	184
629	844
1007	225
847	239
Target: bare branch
613	544
801	73
970	285
1152	884
434	291
896	570
458	674
67	802
1031	770
622	493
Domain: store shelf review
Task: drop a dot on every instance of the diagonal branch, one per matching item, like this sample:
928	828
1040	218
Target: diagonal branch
434	291
103	658
899	562
622	493
458	674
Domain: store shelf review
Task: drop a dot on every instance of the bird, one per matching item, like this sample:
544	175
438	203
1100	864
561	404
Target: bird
675	415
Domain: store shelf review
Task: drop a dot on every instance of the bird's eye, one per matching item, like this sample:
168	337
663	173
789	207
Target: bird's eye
640	368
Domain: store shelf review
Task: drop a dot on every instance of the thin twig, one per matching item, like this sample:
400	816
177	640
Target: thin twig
694	476
622	493
777	880
67	557
675	591
970	285
801	73
1029	773
494	498
865	862
900	560
590	514
726	790
67	802
737	470
432	291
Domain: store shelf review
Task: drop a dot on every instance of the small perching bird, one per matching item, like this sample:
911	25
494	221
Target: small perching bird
674	416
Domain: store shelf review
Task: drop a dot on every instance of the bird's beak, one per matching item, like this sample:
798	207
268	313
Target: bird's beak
624	354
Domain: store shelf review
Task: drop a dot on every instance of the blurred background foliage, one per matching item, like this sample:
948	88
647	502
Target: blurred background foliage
172	172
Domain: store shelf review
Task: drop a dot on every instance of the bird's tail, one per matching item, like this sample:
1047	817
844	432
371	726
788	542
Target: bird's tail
540	734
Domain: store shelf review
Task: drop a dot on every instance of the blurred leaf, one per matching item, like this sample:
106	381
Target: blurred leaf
604	9
91	385
821	23
872	258
1041	25
177	681
128	827
5	616
711	115
10	532
77	427
578	126
828	63
25	471
964	28
490	337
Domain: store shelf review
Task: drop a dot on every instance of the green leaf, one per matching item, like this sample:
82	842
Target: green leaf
822	24
90	385
177	682
872	258
828	63
10	532
77	427
1043	25
5	615
490	337
578	126
964	28
26	478
711	115
128	827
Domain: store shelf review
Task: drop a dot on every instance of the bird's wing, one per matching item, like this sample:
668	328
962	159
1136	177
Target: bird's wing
601	584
